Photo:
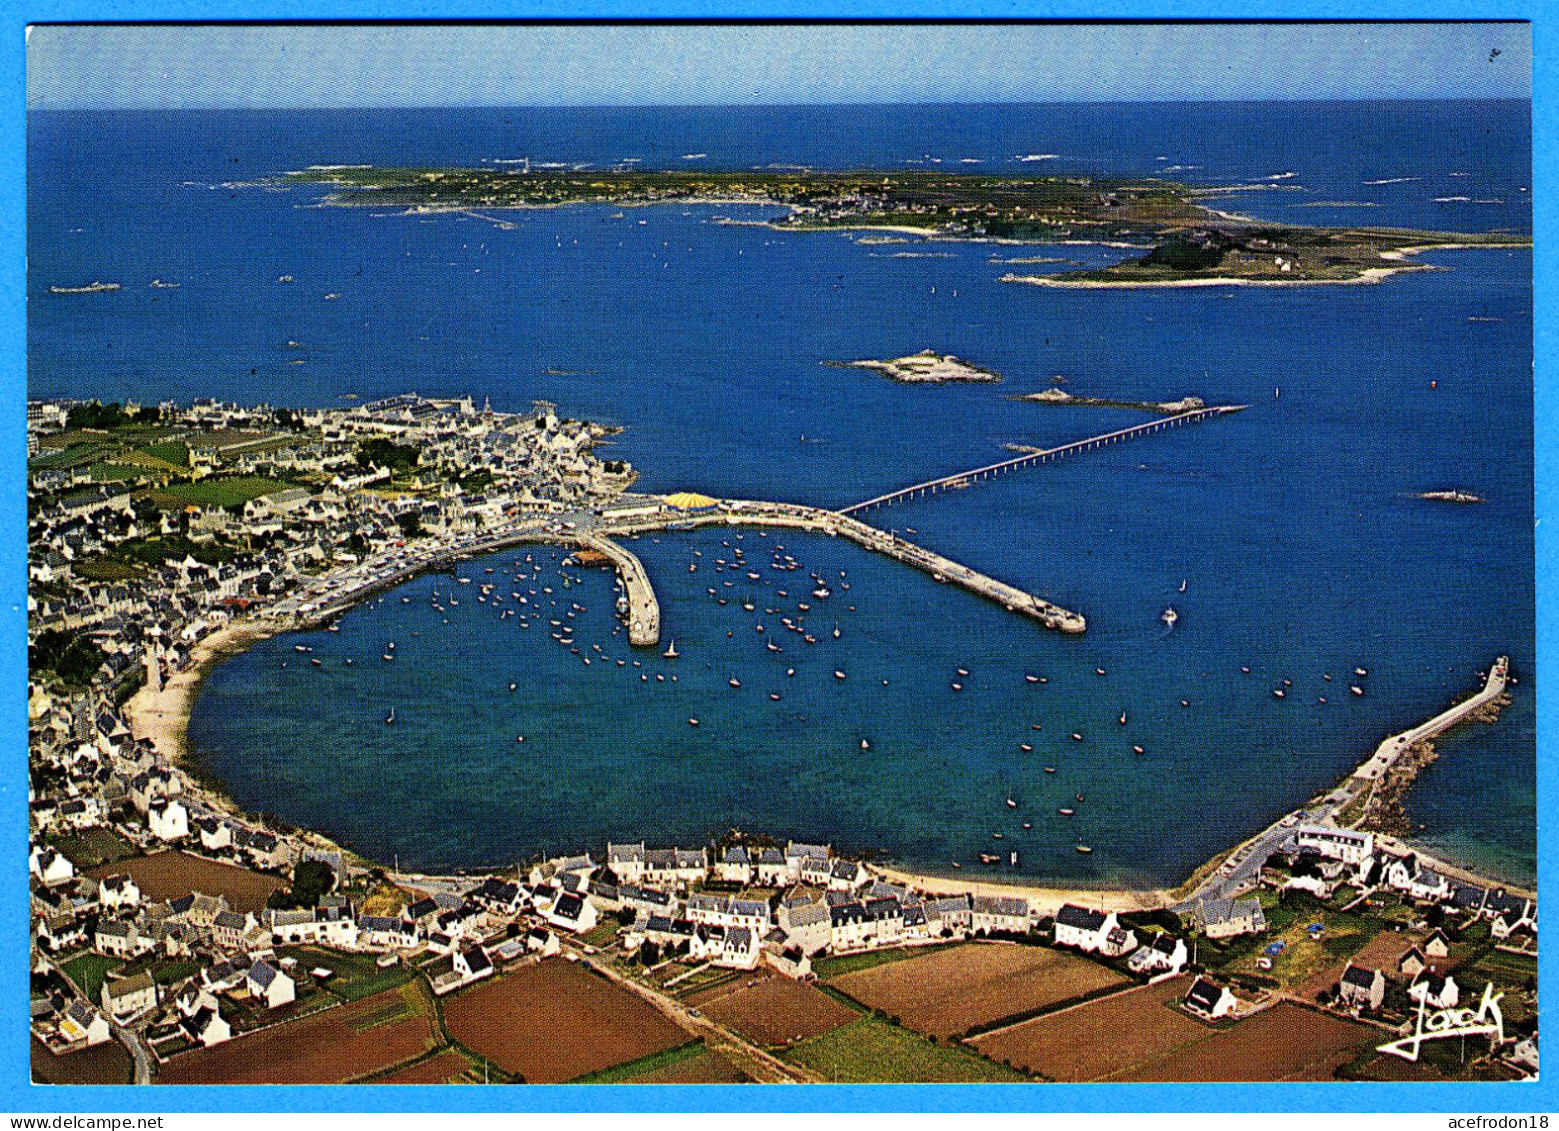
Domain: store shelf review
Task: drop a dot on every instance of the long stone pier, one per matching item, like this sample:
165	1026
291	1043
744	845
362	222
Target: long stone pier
1033	457
793	516
1387	753
643	610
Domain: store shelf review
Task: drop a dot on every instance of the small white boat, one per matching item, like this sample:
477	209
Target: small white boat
1032	678
1170	617
1356	689
838	674
1084	850
389	720
671	652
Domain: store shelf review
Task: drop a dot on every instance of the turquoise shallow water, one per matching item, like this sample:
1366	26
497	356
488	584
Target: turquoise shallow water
1293	524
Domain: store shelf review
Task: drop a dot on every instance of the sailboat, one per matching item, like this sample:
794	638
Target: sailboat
1182	585
671	653
389	720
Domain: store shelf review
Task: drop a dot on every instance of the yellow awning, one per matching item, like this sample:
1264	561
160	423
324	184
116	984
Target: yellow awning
690	501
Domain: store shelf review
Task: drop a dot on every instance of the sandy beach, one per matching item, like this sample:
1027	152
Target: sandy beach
1043	900
1363	278
162	717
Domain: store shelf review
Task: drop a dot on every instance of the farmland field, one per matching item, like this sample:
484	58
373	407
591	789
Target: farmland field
219	491
705	1068
333	1047
1099	1038
871	1051
447	1067
168	875
107	1063
948	992
776	1011
556	1021
1276	1043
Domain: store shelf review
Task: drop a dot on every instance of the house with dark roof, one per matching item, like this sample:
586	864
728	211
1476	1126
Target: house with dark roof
1163	954
573	913
735	866
1227	918
207	1026
1360	988
1208	1000
270	985
471	962
1435	990
1092	931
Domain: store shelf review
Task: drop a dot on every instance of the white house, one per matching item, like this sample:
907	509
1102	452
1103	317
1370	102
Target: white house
539	940
1360	988
1000	913
770	868
797	853
570	912
121	938
167	819
80	1024
117	892
1210	1000
741	949
268	984
1434	990
1346	845
1164	954
471	962
949	915
126	997
1226	918
49	866
734	866
207	1026
1093	931
675	867
626	861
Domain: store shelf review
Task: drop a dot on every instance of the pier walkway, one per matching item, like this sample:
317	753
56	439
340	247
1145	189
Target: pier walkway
1242	870
1035	457
642	609
741	512
1387	753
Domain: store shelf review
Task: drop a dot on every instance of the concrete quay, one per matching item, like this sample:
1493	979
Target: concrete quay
1387	753
793	516
643	610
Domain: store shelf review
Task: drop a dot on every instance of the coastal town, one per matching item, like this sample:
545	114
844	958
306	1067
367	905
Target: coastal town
177	939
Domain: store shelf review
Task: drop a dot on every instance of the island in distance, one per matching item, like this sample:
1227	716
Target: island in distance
1185	243
924	368
1165	408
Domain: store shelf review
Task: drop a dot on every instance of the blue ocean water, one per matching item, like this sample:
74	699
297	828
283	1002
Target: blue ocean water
1293	524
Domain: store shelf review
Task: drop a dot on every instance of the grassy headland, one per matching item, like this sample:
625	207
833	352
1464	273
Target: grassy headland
1184	242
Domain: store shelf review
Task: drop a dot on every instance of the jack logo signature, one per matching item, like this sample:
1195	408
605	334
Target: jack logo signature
1485	1021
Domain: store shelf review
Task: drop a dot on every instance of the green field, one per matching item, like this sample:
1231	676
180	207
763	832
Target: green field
218	491
356	975
104	569
872	1051
620	1073
88	971
92	847
840	965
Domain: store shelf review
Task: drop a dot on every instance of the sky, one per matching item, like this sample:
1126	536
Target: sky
215	66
